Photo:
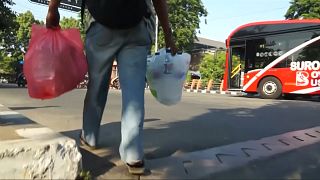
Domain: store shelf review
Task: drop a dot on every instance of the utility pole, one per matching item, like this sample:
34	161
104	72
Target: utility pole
156	34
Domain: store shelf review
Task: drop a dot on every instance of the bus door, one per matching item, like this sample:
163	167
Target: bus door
236	66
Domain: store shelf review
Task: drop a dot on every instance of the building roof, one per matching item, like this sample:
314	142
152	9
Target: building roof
210	43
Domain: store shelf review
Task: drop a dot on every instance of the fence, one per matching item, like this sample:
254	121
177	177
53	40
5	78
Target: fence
197	84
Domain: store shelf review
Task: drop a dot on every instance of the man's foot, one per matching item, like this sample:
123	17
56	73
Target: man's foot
136	168
84	143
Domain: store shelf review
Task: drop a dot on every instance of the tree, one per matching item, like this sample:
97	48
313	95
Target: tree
19	39
212	66
6	64
305	9
25	21
6	14
184	16
8	25
71	22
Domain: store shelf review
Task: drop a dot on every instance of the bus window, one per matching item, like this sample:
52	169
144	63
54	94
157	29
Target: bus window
309	53
261	52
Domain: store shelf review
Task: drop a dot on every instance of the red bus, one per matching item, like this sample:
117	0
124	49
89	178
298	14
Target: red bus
274	58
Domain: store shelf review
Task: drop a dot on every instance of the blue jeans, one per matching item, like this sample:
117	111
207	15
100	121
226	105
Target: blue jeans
129	48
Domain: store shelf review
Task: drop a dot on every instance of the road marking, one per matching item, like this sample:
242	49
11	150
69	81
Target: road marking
1	105
8	113
34	132
202	164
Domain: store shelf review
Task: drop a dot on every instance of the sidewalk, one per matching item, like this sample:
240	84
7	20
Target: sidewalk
29	150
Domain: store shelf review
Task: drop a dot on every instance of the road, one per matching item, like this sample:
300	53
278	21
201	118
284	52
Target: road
198	122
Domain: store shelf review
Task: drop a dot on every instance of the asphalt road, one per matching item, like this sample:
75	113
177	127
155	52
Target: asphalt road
199	121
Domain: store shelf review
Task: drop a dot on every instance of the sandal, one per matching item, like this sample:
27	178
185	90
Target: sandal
84	143
136	168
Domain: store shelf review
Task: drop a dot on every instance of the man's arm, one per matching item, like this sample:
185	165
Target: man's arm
53	16
162	13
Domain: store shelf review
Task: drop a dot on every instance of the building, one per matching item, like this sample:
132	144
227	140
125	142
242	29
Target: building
207	45
203	45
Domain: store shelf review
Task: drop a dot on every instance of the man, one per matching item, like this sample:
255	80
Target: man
130	48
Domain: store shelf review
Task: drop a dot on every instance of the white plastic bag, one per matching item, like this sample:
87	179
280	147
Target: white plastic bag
166	75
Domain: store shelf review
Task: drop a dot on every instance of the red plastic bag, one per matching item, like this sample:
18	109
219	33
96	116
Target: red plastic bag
55	62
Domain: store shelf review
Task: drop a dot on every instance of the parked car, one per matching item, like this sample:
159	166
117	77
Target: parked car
195	74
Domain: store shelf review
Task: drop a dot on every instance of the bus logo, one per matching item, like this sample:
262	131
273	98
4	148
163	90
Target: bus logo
302	78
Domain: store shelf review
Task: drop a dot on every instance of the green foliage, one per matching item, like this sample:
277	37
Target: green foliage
71	22
212	66
6	66
184	16
6	14
7	25
306	9
25	21
16	42
188	77
85	175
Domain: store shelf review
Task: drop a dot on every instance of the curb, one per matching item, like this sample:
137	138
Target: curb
205	163
233	93
31	151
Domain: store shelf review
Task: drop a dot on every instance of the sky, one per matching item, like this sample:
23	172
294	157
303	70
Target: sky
223	15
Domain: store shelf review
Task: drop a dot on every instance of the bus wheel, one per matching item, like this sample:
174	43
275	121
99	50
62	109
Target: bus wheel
270	88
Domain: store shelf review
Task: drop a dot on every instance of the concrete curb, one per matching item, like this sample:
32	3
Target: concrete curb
205	163
31	151
233	93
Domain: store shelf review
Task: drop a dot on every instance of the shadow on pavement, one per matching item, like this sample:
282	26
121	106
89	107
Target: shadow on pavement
315	98
30	108
96	165
217	127
15	119
99	161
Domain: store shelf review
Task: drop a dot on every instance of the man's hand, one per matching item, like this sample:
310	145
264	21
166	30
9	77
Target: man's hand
53	16
171	44
53	19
